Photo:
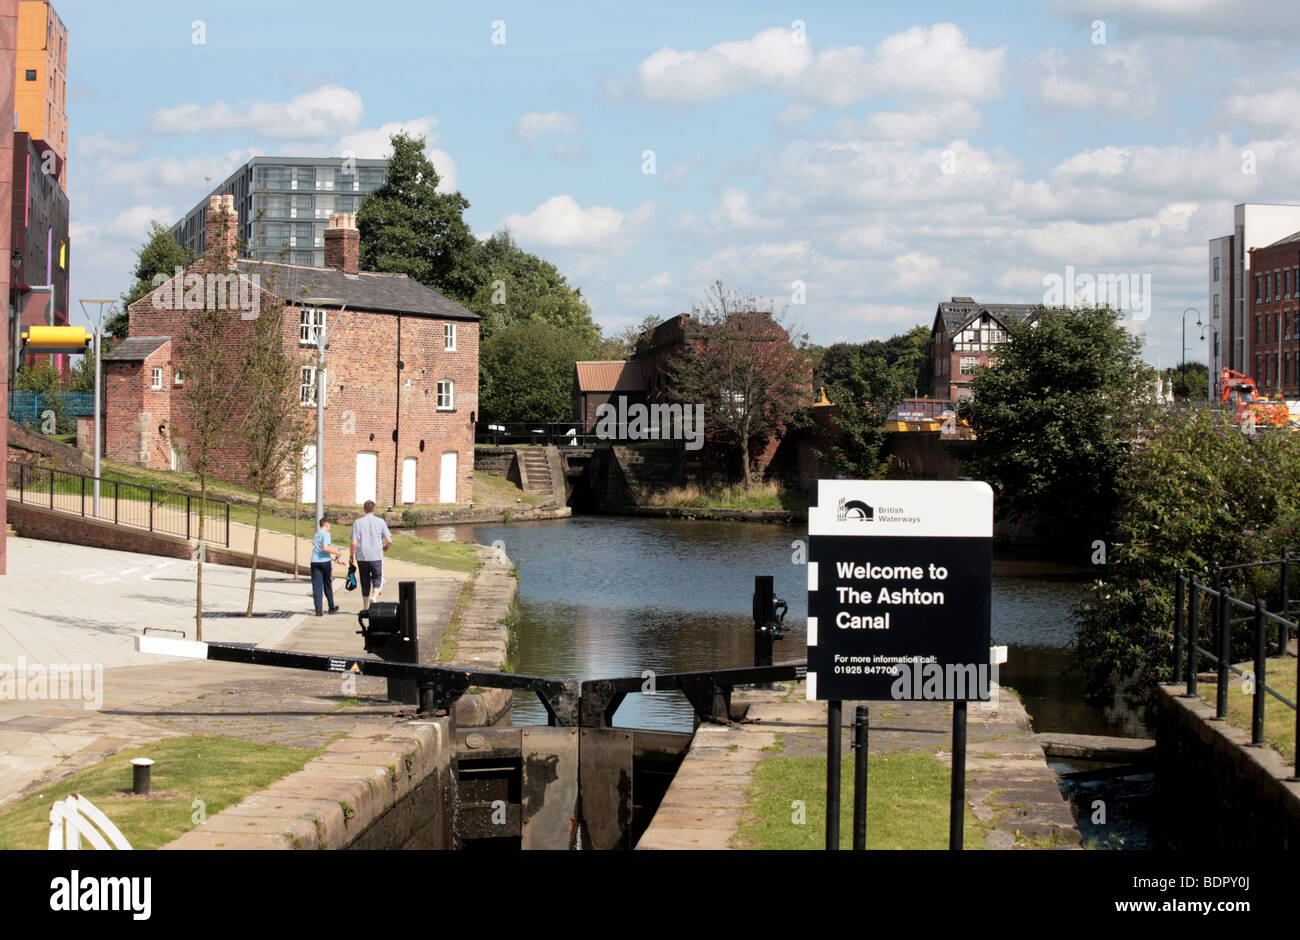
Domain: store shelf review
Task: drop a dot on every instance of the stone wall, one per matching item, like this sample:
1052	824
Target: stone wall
1216	792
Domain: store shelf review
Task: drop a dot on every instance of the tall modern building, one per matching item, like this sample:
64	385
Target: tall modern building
39	249
41	80
1230	341
284	205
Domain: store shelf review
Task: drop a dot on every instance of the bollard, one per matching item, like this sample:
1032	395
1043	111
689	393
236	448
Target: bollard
389	630
833	707
764	601
1193	636
140	772
1261	658
1180	603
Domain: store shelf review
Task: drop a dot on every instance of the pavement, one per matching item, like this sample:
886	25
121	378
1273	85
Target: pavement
1009	787
73	605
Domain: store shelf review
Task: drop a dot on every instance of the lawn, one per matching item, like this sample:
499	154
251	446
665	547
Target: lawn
217	771
759	496
1279	720
907	804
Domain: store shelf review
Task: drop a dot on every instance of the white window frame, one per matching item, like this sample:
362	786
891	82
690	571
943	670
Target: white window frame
311	322
307	386
451	395
963	369
155	378
177	378
449	337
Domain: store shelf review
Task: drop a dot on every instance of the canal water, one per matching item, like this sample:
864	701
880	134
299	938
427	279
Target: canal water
607	596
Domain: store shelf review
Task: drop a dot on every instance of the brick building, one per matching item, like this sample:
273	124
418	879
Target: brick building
603	383
1274	316
965	335
401	381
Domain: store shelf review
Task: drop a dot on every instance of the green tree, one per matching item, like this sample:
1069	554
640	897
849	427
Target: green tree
1191	381
865	385
1195	492
160	254
515	285
531	367
1052	419
408	227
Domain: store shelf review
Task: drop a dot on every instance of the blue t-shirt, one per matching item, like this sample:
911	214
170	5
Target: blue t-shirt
318	553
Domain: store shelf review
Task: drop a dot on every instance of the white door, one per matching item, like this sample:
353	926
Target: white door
447	482
309	474
367	470
408	480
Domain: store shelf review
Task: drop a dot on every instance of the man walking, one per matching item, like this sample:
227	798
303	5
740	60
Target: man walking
370	536
322	572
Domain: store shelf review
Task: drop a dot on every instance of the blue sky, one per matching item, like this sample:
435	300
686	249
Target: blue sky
887	158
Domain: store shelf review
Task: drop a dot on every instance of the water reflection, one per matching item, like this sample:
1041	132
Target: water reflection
602	597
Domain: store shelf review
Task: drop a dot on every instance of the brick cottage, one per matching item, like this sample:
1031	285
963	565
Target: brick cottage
401	371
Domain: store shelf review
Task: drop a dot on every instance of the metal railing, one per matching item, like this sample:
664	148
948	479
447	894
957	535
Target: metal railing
558	433
129	504
1189	592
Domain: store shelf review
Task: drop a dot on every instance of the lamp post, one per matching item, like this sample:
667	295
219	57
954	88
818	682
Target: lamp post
322	342
99	341
1198	323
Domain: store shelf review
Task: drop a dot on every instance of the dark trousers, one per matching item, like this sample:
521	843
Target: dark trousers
322	579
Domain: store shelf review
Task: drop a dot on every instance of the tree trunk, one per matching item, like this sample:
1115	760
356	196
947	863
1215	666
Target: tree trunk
198	584
252	574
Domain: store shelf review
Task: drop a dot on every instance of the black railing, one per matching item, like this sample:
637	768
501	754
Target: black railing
1189	592
562	433
130	504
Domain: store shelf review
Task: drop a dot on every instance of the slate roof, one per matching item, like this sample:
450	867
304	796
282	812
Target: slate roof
1284	241
957	312
368	290
612	376
136	348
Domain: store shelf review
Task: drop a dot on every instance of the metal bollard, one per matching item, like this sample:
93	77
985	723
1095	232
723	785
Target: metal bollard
140	775
389	630
1225	648
860	729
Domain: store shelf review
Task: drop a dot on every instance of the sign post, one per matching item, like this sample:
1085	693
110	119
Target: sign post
900	578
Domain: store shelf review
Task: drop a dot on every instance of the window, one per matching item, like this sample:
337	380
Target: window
178	378
1287	293
307	386
311	324
446	394
31	75
449	337
1216	306
156	378
1259	288
1216	269
968	364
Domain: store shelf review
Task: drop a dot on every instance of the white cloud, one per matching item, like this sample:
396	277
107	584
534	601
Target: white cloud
1276	109
930	62
1103	78
326	110
561	223
1271	19
376	144
535	125
954	119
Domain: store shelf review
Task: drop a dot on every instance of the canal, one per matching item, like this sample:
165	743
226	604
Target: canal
607	596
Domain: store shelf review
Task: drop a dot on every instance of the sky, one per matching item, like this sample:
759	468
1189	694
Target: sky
855	163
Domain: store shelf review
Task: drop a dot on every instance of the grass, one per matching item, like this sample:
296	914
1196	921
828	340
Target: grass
766	495
218	771
492	490
1279	720
447	647
907	804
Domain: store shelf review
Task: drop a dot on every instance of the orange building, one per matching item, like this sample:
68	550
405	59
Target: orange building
41	81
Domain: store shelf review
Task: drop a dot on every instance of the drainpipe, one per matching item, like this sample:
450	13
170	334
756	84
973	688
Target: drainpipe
397	419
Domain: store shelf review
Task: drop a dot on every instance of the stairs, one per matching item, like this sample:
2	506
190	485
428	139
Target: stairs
536	467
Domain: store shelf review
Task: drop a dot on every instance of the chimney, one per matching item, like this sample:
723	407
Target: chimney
343	242
222	232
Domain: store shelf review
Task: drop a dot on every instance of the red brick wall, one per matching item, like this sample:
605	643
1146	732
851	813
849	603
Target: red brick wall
1277	315
361	400
134	412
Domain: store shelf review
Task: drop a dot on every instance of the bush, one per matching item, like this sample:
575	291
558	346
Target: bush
1194	492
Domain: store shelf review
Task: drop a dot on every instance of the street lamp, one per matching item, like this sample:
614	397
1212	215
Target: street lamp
322	342
99	340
